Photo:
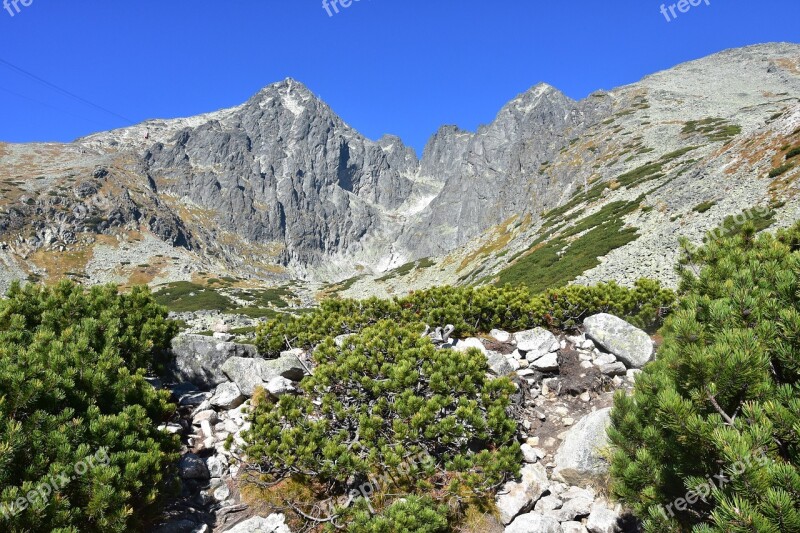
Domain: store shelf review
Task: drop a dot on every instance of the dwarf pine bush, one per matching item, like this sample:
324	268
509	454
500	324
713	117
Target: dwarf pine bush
710	440
76	413
472	310
384	416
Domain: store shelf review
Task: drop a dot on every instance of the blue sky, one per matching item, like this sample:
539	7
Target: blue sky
385	66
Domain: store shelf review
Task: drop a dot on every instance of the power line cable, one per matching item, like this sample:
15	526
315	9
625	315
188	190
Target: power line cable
43	104
63	91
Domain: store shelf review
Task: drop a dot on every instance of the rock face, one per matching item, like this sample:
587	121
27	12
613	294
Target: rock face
518	496
249	373
629	344
282	181
199	359
274	523
579	459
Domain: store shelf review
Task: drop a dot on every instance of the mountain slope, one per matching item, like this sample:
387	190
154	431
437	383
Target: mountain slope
553	190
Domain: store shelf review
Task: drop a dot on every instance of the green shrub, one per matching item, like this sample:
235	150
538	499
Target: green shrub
722	397
470	310
704	206
781	170
389	405
72	390
411	515
794	152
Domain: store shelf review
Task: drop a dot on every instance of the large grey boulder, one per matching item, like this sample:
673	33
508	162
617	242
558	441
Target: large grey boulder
249	373
227	396
519	496
274	523
198	359
579	459
534	523
536	342
498	364
192	467
631	345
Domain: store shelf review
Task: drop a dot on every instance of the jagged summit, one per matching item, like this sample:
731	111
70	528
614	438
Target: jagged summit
281	185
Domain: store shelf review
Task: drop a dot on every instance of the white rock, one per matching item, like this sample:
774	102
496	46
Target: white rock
499	335
602	520
516	497
227	396
208	415
579	459
536	342
534	523
278	386
546	363
274	523
631	345
529	453
548	503
217	466
572	527
472	342
222	493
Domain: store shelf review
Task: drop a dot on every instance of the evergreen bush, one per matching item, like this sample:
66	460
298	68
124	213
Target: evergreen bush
388	414
710	439
471	310
74	403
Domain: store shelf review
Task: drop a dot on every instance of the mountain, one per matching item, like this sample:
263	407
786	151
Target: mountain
281	188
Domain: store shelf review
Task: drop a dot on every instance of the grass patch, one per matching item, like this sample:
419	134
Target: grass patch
714	129
185	296
560	260
703	207
794	152
783	169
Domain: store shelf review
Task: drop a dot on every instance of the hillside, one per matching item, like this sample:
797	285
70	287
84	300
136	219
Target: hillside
280	189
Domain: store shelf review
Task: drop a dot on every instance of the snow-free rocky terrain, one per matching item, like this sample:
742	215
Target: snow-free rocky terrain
565	386
281	188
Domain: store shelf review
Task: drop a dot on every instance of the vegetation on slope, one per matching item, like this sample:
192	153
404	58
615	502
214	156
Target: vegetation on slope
388	406
76	408
710	441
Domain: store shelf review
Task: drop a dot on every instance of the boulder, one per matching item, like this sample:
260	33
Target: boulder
287	366
472	342
519	496
245	372
614	369
192	467
572	527
578	460
199	359
536	342
499	365
546	363
500	336
279	385
602	520
631	345
534	523
274	523
249	373
227	396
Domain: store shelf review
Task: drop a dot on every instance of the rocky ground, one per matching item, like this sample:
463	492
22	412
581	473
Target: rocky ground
565	386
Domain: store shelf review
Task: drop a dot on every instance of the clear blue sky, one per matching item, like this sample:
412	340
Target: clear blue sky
385	66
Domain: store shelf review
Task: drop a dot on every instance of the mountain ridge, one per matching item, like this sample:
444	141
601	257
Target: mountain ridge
280	187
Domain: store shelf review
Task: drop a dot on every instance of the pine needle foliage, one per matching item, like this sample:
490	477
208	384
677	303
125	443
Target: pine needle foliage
74	401
390	406
710	440
471	310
